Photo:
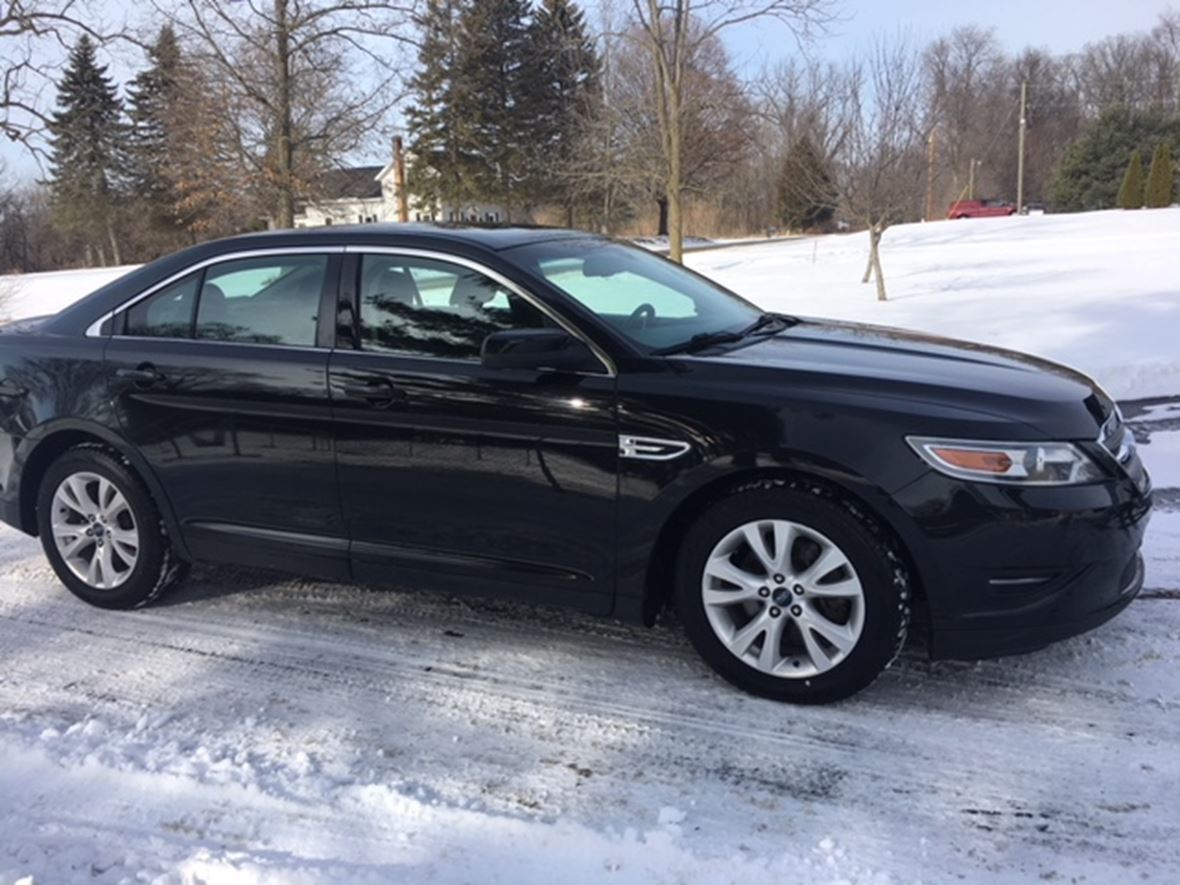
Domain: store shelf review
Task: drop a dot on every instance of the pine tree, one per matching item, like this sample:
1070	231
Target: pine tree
1092	168
87	160
566	71
1160	182
439	124
496	89
1131	192
806	190
154	98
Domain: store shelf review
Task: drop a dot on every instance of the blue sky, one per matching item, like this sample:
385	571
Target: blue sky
1059	25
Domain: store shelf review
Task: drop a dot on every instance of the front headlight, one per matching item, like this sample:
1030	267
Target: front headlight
1034	463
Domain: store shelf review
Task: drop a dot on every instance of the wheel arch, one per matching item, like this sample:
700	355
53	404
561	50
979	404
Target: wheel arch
50	444
657	590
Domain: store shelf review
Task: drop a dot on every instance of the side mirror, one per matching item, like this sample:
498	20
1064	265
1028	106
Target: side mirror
537	349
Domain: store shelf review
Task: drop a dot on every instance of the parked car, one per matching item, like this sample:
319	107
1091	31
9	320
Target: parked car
558	417
980	208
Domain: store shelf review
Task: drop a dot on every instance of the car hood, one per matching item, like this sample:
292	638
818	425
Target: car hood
898	364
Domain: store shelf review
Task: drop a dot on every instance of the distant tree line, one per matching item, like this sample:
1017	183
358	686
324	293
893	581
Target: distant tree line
635	121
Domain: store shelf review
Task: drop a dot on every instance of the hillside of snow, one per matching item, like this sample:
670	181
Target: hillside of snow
1099	291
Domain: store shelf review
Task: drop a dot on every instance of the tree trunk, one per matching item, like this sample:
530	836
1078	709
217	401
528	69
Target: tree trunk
662	224
869	263
875	255
116	254
284	128
675	182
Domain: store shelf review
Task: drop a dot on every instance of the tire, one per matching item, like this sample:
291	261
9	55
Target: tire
843	584
115	556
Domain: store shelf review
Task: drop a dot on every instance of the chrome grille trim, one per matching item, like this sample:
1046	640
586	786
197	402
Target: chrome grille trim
1117	438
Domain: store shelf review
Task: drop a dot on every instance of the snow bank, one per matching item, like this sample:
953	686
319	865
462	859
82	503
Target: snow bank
37	294
1098	290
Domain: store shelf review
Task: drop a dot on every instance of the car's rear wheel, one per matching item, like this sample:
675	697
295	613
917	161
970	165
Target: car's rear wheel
792	593
102	532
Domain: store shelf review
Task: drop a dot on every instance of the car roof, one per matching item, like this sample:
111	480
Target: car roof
490	237
460	239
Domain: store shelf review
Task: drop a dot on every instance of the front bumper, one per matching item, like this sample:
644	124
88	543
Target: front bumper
1016	636
1007	570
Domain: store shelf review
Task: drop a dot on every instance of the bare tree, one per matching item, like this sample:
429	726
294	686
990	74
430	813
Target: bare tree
673	33
808	98
290	70
881	178
970	109
620	162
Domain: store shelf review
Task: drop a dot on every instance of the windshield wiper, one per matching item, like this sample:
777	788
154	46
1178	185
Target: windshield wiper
767	323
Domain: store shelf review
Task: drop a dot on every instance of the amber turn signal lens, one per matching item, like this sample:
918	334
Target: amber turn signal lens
974	459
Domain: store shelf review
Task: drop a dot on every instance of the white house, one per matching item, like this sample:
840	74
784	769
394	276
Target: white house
358	195
368	194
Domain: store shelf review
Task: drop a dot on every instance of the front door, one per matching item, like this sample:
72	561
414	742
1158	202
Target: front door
453	476
220	380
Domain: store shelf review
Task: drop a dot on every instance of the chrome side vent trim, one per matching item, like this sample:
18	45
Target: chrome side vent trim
649	448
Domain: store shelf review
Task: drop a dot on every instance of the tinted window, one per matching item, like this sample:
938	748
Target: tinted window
652	301
434	308
168	313
263	300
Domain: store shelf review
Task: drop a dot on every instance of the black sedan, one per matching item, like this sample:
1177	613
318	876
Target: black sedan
562	418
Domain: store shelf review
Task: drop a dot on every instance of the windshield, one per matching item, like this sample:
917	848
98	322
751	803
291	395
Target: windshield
655	303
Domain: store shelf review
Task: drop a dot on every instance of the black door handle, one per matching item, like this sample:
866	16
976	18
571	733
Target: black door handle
379	393
144	375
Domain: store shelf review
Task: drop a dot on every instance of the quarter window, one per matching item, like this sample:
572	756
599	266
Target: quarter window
263	300
166	314
423	307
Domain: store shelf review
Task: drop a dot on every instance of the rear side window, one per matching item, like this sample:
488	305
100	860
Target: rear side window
272	300
168	313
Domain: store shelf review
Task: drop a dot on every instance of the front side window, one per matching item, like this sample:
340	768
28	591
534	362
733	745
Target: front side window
166	314
424	307
655	303
273	300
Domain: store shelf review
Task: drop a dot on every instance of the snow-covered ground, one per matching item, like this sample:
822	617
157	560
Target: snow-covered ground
256	729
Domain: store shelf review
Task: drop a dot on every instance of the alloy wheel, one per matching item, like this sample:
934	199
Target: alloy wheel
94	530
783	598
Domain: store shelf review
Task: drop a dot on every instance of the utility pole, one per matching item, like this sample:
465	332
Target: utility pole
971	179
931	157
1020	148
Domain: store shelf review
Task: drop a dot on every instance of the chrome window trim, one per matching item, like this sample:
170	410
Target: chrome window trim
93	330
463	261
302	348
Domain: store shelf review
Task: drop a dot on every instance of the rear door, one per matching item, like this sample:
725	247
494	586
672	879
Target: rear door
219	378
453	476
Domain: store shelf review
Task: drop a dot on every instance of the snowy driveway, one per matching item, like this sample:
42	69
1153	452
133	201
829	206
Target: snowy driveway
260	729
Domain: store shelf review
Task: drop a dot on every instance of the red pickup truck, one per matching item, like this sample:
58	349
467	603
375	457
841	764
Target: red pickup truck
980	208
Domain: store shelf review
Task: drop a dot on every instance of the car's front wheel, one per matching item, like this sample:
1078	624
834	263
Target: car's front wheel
792	593
102	532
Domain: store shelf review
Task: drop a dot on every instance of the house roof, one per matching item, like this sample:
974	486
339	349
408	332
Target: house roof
354	183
